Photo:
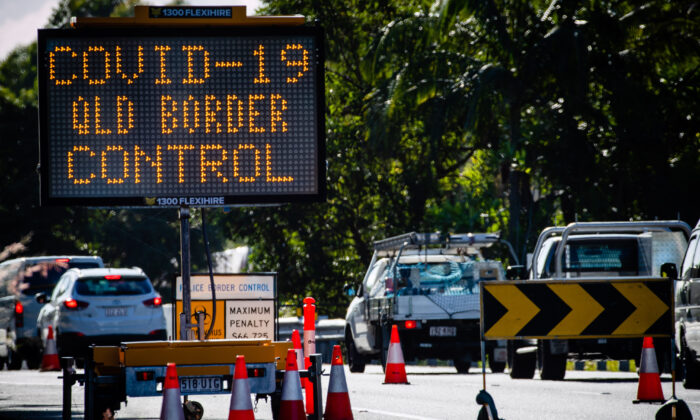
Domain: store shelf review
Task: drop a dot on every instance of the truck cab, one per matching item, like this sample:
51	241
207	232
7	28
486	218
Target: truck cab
427	284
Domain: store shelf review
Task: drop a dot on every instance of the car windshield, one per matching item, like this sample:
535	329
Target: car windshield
43	276
99	286
447	278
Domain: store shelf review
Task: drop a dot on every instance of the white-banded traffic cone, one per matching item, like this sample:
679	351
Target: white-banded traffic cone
172	404
395	370
241	406
296	343
649	389
292	404
338	399
50	362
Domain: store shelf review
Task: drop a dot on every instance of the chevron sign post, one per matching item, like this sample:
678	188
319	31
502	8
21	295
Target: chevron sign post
588	308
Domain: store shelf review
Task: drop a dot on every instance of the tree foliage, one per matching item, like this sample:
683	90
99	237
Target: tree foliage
457	115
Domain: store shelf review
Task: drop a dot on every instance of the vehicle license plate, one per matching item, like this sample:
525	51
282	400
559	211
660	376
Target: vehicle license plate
200	384
443	331
115	311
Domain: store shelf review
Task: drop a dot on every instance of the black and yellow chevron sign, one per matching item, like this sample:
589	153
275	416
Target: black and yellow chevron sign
576	308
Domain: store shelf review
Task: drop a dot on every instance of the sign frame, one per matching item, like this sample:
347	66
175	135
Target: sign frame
179	200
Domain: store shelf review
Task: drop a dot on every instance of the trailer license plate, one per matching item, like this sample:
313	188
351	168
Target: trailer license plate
443	331
115	311
200	384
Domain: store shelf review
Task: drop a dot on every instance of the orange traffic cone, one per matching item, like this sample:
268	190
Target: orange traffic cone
649	390
172	406
241	406
50	359
292	404
338	399
395	366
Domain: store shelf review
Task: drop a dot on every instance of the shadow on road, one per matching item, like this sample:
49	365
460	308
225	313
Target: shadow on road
34	412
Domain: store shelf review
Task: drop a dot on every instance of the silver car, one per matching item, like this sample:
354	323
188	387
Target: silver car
102	306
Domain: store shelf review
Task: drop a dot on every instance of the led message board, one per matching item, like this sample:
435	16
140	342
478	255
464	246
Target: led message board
187	116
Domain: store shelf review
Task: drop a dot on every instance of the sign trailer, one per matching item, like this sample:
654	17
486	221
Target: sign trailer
185	107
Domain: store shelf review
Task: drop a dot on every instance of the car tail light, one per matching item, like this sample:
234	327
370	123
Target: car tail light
62	260
73	304
19	314
154	302
113	277
410	324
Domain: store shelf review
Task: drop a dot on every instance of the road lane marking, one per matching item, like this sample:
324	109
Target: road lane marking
391	414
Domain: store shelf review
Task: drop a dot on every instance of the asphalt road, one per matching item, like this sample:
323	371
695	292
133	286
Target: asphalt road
433	393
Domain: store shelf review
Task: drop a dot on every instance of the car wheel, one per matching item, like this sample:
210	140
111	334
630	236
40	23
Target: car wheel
383	338
553	366
496	367
462	365
691	367
523	364
34	361
356	362
14	361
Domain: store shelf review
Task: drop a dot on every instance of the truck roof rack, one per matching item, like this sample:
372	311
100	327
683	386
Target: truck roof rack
416	240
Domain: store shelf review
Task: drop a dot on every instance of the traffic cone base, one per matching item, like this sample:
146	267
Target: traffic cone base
338	399
649	389
50	362
241	407
172	404
292	404
395	370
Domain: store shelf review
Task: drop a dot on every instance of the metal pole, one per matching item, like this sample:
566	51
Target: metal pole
67	387
184	215
315	378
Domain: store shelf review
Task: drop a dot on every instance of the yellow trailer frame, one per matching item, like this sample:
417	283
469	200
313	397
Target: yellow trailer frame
111	371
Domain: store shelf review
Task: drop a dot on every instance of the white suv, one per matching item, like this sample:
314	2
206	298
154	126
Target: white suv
102	306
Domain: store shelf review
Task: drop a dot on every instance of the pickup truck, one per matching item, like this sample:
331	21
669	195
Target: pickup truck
428	285
613	250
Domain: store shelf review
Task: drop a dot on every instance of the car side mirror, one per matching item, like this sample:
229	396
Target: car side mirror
516	272
41	297
669	270
349	290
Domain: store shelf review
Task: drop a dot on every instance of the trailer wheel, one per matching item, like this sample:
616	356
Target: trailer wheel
102	412
193	410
